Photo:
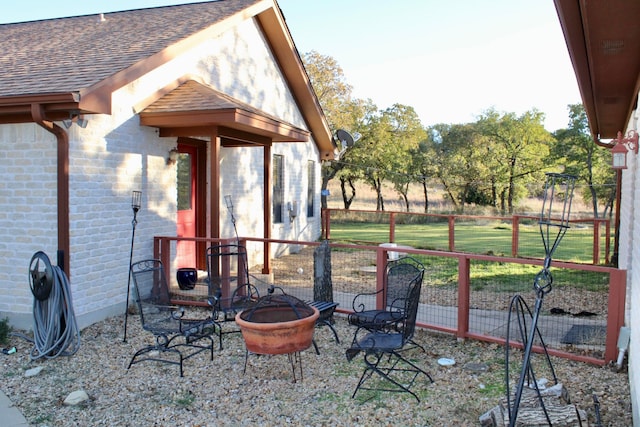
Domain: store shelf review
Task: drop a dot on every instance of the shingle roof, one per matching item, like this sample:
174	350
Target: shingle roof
194	104
69	54
192	96
74	64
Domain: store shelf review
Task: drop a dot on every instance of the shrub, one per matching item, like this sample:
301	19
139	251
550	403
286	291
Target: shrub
5	329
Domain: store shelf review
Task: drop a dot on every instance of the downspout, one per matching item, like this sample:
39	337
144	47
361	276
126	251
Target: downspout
62	139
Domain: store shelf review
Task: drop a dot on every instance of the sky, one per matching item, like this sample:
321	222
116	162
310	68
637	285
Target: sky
450	60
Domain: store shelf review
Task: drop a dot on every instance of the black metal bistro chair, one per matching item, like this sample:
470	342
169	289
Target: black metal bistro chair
229	287
167	323
396	373
400	275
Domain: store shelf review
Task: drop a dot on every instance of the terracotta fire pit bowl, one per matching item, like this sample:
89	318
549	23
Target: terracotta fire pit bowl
278	324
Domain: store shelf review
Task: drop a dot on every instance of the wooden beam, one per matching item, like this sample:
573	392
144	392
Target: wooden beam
214	185
266	172
234	136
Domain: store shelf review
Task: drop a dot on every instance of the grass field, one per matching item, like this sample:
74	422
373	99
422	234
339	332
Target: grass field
480	237
494	238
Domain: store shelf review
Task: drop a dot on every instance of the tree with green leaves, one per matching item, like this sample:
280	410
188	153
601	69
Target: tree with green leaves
406	134
341	109
424	166
347	168
383	153
521	145
585	160
460	163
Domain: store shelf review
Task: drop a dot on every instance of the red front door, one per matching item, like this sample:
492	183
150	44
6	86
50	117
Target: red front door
186	222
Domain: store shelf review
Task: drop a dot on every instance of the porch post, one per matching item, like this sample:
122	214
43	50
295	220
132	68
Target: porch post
214	185
266	209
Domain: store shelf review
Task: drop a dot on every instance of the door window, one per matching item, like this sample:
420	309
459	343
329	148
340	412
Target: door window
185	180
278	188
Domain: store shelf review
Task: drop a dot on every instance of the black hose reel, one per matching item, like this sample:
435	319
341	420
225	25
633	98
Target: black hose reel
54	324
41	276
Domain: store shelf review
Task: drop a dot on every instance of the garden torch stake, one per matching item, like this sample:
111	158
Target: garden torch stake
136	198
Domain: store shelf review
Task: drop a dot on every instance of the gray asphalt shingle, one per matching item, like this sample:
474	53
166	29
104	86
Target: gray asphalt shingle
69	54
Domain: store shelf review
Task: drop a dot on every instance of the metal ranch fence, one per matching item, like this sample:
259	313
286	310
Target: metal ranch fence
515	236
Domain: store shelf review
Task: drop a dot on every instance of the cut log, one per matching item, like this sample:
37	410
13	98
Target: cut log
556	401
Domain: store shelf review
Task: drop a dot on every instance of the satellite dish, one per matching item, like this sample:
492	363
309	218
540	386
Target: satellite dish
344	141
345	138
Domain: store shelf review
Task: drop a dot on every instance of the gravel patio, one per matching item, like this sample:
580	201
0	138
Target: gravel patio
216	393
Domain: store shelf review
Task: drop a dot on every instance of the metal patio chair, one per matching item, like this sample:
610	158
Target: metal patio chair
383	348
167	323
400	275
229	287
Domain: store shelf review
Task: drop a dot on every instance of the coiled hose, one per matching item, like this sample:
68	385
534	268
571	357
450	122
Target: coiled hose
55	330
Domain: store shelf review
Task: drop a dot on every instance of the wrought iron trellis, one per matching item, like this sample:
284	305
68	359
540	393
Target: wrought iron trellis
553	224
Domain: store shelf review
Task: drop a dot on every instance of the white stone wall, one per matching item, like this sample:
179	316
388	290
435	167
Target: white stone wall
629	258
28	212
629	255
257	80
114	156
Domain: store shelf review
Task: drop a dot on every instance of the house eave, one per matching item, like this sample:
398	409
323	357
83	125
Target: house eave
603	40
55	106
272	23
97	98
231	118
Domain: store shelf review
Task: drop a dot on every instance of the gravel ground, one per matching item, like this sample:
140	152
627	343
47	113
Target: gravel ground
217	393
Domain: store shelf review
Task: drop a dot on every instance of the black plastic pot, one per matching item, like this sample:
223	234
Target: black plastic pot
187	278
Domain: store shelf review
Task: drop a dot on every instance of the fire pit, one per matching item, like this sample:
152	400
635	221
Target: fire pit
278	324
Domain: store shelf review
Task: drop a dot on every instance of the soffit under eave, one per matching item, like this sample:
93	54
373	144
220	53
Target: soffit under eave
603	40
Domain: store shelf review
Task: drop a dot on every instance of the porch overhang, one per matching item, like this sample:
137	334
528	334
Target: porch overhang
603	40
193	109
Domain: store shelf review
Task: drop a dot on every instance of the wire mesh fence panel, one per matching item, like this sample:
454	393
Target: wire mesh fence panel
197	293
353	272
578	305
439	296
577	244
492	286
573	317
